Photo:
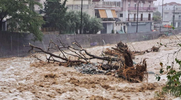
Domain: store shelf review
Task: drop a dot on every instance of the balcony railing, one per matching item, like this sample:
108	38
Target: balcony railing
117	8
75	7
139	19
142	8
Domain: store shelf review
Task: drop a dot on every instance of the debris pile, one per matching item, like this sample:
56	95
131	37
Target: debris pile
89	69
115	61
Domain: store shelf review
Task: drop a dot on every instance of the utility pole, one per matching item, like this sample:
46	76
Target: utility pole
174	16
81	17
162	17
137	16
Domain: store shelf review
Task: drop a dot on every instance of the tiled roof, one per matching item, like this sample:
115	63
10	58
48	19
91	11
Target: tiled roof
171	3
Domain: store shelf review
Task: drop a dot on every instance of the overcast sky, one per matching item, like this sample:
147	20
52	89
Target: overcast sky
166	1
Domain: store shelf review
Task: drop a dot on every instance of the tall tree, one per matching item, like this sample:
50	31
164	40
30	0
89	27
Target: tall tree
157	16
90	25
21	17
55	14
72	22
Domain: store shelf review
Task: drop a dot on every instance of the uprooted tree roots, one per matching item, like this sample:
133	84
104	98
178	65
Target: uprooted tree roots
118	58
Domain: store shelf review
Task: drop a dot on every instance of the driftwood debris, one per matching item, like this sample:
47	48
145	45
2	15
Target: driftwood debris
117	58
153	49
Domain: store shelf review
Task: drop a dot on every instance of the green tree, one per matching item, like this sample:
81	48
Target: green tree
157	13
90	25
157	16
96	25
55	14
21	16
72	22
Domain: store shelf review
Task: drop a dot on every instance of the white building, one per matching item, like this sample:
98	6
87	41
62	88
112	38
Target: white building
171	14
126	15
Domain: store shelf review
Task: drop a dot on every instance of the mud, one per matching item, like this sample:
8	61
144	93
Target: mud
23	78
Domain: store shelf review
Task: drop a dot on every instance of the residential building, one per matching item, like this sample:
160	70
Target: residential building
75	5
118	16
171	14
37	8
129	14
106	10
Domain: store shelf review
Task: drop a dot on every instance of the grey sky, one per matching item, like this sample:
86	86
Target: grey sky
166	1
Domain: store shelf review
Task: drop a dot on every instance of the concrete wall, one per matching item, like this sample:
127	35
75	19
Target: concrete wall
14	44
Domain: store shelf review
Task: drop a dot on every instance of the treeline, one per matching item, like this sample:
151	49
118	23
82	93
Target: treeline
21	16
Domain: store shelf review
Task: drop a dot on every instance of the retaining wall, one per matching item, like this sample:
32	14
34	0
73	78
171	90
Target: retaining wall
14	44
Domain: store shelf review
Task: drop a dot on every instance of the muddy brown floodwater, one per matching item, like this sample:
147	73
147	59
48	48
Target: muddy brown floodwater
23	79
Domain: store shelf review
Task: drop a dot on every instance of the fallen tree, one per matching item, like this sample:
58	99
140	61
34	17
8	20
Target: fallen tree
117	58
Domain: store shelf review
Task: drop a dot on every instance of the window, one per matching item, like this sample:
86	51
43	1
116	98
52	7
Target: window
115	3
75	7
85	6
118	4
121	15
135	5
165	16
149	16
141	4
141	17
129	4
121	5
179	16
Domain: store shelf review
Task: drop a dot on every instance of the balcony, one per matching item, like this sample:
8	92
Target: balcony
116	8
78	7
142	8
139	20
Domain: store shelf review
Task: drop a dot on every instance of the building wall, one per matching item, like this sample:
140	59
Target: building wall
125	10
142	27
145	14
77	2
37	8
75	5
145	4
168	11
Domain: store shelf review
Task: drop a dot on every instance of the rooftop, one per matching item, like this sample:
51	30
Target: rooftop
171	3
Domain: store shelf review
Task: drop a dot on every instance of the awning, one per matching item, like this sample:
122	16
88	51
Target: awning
107	13
114	13
102	13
